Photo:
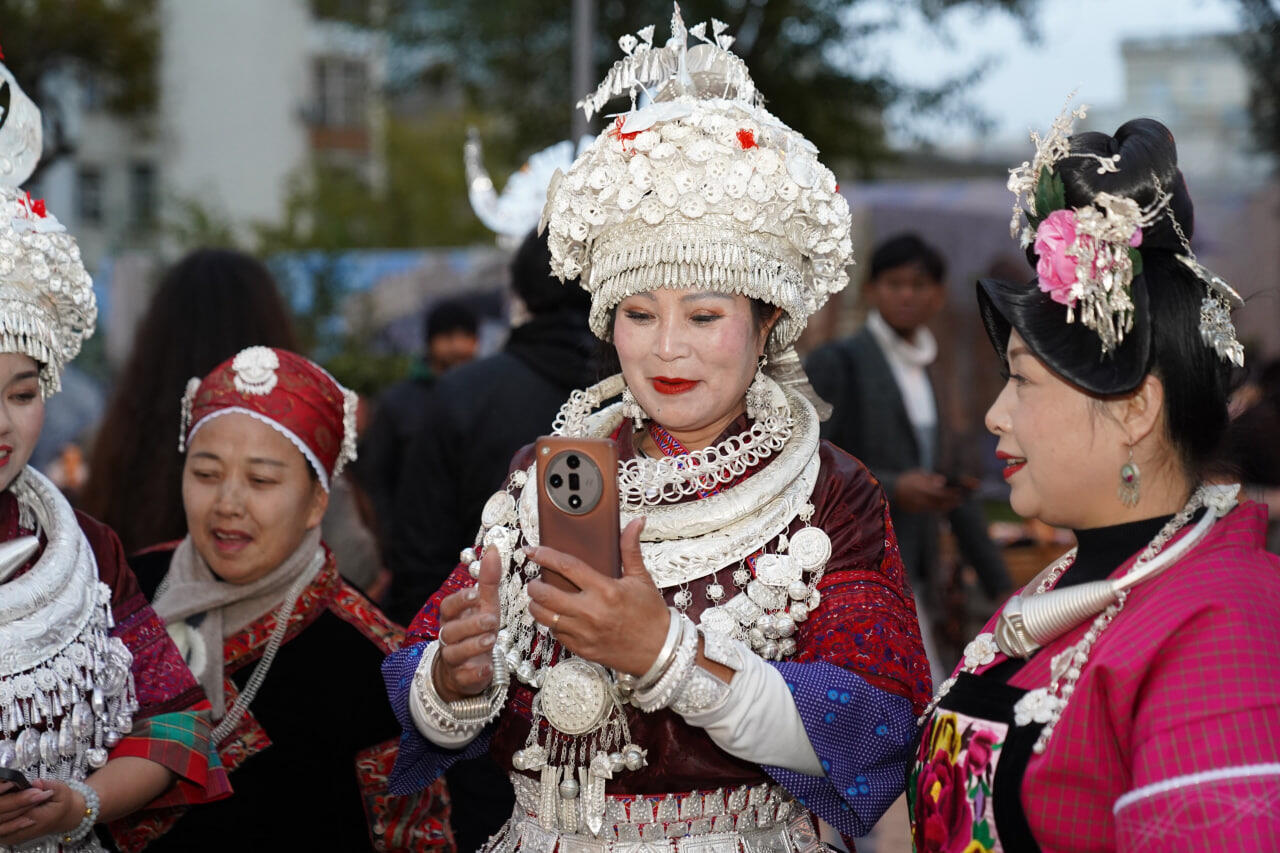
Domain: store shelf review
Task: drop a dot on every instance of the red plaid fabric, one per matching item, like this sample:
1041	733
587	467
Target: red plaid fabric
1186	680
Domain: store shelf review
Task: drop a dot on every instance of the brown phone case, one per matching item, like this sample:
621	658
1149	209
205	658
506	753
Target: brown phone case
578	503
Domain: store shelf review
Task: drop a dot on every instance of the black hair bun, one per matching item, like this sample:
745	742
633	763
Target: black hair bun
1165	338
1147	168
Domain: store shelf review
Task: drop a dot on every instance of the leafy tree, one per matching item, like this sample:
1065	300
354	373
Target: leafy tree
1260	49
512	59
114	42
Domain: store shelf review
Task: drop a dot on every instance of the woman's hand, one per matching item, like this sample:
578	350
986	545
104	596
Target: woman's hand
620	623
468	630
47	807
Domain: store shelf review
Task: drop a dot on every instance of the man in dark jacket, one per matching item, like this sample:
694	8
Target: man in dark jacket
480	414
449	336
885	413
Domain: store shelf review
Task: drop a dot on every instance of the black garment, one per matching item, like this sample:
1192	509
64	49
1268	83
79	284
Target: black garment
870	422
480	414
1099	552
399	416
322	702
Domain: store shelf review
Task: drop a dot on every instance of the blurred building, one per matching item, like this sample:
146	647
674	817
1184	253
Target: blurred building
1197	86
248	91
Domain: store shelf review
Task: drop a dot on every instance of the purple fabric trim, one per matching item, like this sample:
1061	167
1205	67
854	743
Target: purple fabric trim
865	738
419	762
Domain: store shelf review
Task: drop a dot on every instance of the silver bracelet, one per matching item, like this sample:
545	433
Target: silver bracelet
464	716
628	683
722	649
701	693
686	657
92	808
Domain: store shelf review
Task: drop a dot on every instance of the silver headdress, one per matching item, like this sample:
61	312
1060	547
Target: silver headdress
47	306
515	212
1088	256
701	188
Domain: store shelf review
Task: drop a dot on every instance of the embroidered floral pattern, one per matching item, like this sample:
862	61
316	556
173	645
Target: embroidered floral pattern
949	792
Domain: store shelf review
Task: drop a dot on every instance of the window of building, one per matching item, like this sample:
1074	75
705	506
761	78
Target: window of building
89	195
341	92
142	193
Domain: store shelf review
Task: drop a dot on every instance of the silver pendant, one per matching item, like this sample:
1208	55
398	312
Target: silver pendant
810	548
575	697
777	570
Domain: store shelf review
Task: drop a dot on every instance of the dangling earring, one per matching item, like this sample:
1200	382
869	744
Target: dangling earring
758	392
1130	481
631	409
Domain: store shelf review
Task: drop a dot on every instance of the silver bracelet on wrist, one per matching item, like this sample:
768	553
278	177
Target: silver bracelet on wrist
467	715
686	657
92	808
722	649
700	693
628	684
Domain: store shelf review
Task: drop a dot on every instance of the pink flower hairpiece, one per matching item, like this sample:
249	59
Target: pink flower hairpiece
1088	258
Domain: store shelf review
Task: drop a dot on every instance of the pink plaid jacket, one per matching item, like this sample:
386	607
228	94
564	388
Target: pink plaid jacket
1171	740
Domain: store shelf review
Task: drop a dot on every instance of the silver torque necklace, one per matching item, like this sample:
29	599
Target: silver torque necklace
1033	620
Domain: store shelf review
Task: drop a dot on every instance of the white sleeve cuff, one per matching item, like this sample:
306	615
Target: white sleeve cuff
760	722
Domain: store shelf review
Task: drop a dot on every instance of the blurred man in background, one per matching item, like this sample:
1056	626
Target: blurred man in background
449	340
885	413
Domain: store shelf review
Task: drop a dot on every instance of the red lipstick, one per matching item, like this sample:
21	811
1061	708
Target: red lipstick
669	385
1012	464
5	452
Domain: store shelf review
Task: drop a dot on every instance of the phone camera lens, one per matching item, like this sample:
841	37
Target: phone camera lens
573	461
556	481
575	502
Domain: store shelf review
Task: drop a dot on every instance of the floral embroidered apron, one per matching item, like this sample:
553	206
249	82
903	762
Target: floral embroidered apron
964	791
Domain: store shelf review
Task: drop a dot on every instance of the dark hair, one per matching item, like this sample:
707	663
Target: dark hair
907	249
1165	338
209	306
450	315
532	281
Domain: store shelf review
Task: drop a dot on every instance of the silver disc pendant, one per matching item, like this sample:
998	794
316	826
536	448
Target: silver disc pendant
575	696
500	508
810	548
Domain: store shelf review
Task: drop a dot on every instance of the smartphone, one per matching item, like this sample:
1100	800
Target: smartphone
15	778
578	503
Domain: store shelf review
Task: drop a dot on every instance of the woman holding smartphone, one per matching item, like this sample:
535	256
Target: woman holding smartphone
757	665
1128	698
99	717
253	598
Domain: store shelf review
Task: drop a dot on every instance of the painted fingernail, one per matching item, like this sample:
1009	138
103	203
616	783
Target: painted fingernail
485	671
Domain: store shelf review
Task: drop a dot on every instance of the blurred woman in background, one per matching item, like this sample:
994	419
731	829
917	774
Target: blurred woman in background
209	306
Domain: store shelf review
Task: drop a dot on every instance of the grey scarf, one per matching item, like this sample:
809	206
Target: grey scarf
201	610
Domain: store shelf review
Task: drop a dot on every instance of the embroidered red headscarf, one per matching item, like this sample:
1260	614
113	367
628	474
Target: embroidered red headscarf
289	393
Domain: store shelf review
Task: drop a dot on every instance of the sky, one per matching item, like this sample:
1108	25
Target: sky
1078	49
